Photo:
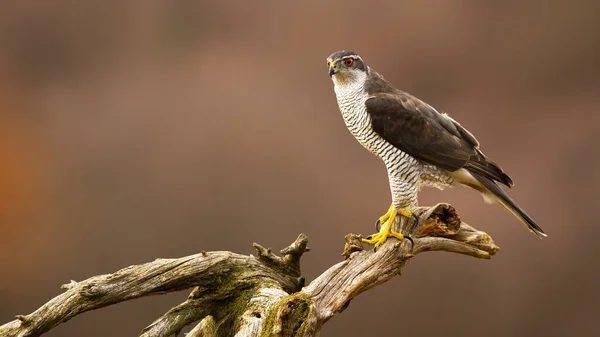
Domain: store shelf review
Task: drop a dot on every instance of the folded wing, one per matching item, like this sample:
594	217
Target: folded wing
419	130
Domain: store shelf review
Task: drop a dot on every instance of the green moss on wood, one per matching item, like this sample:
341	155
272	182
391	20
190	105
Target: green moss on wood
291	313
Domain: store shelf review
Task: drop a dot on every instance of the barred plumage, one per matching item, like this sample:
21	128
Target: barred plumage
406	174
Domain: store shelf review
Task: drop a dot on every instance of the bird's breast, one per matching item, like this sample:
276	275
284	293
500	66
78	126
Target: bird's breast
357	119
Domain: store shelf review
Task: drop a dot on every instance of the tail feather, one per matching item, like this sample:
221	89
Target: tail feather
498	194
482	165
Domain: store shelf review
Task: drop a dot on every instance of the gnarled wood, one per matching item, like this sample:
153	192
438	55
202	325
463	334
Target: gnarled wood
260	295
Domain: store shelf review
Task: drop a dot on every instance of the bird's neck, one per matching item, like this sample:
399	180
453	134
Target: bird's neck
349	88
375	83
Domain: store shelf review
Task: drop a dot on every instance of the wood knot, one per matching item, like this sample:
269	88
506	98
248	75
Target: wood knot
68	285
443	221
353	244
24	319
91	290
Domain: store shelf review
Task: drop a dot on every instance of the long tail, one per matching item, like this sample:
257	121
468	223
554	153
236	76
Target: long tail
494	191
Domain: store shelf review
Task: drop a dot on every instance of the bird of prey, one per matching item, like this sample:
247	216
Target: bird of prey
419	146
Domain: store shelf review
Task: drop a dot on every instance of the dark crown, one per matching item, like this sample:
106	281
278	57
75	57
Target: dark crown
341	54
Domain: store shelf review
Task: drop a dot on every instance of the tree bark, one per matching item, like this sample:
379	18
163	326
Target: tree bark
262	295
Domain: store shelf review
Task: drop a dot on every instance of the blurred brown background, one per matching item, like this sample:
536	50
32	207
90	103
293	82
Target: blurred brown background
131	130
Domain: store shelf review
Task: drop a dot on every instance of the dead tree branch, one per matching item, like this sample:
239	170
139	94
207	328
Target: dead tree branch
262	295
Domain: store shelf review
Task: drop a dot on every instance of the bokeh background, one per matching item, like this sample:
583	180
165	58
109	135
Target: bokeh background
131	130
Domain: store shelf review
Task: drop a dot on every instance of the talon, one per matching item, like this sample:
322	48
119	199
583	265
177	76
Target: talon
415	218
384	227
412	243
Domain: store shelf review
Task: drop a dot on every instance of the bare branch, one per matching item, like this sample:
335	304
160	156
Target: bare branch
333	290
263	295
218	274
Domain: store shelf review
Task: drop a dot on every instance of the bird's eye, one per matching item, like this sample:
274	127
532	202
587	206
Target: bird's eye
328	64
348	62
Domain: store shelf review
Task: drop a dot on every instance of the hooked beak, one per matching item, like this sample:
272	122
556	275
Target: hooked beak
332	69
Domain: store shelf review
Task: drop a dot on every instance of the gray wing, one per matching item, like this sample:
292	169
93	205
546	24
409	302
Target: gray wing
419	130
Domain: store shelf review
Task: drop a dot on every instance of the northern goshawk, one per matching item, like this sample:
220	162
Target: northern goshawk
419	146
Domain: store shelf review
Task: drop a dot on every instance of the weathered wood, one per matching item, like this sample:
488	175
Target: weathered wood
362	270
206	328
263	295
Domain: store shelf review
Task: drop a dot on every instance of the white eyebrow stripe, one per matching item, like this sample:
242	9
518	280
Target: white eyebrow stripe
352	56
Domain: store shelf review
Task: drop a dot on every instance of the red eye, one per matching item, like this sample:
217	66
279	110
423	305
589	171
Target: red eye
348	62
328	63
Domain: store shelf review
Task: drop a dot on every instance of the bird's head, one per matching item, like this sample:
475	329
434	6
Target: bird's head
346	68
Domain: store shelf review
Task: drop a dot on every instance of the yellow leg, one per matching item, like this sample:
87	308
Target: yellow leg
387	221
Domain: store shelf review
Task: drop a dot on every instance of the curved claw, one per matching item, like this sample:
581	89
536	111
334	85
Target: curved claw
377	225
415	218
412	243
